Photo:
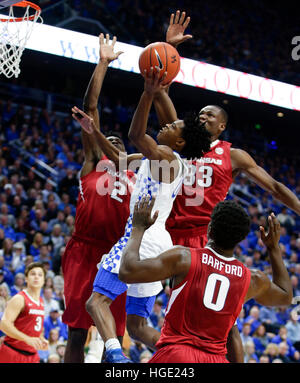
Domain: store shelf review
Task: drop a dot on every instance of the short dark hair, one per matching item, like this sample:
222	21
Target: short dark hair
32	265
230	224
197	138
113	133
223	113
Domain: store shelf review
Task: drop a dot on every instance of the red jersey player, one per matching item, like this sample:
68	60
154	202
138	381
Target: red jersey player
23	320
211	176
101	213
209	285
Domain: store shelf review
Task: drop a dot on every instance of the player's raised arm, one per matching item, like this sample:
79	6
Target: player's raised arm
164	107
175	261
90	102
111	151
242	161
137	132
279	292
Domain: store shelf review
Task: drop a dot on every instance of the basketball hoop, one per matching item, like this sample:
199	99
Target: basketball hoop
14	34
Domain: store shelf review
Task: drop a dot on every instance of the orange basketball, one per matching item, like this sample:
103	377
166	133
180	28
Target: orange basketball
162	55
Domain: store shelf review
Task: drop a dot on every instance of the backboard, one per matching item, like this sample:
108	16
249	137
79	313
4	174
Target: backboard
7	3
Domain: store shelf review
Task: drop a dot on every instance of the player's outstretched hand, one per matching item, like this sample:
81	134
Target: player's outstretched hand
107	53
175	32
271	238
86	122
142	213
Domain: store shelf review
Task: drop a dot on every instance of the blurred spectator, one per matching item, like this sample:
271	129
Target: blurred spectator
253	319
19	256
249	351
18	285
264	359
261	338
60	351
53	358
245	334
283	352
157	312
268	317
293	329
5	274
49	302
272	351
52	321
282	336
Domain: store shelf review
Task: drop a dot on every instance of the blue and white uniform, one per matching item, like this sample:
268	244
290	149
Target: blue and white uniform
156	239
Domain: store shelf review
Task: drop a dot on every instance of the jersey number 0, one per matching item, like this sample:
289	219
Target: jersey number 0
216	290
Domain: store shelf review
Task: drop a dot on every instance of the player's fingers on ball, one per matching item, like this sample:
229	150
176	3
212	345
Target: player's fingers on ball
114	40
101	37
107	38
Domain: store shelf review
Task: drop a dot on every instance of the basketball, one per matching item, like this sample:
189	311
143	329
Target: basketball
162	55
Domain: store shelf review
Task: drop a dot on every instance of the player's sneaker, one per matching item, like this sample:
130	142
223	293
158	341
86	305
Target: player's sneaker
116	356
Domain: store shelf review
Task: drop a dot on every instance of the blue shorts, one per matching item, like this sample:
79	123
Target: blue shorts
140	306
108	284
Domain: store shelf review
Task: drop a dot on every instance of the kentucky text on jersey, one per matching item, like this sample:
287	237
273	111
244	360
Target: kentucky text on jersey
219	265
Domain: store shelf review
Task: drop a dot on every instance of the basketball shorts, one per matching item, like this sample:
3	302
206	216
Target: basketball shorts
181	353
108	284
79	266
195	237
8	355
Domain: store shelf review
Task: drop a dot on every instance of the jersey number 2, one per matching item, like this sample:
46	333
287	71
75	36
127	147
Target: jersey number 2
216	290
119	189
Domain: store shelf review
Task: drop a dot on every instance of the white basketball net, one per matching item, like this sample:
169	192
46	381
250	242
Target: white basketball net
13	38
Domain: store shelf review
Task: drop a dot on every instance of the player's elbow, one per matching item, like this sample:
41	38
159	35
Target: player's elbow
89	106
133	137
125	272
123	275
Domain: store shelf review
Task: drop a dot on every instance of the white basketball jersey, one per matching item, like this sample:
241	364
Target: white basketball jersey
156	239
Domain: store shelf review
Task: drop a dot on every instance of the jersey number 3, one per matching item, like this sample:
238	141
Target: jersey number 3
38	324
216	290
204	176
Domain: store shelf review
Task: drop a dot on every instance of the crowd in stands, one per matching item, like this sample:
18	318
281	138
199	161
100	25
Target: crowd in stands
37	219
253	37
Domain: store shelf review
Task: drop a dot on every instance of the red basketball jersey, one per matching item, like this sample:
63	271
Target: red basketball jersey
207	184
30	322
203	308
103	203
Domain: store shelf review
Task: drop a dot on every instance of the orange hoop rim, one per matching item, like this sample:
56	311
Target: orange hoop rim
24	4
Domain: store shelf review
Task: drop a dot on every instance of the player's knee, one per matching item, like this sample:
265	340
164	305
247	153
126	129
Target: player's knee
95	301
